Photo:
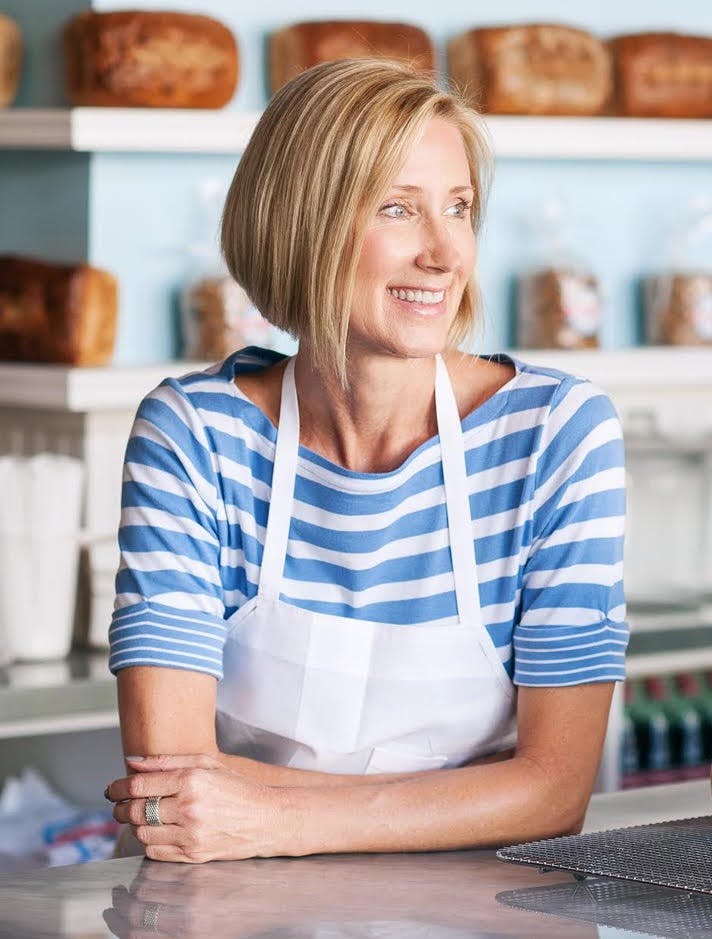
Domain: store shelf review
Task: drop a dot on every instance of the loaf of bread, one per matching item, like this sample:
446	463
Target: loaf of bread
60	313
678	308
558	308
663	75
10	59
149	59
532	69
298	47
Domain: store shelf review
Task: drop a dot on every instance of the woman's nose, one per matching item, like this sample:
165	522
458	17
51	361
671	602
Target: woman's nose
439	248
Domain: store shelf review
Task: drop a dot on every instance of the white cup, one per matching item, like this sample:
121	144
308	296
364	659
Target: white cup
38	581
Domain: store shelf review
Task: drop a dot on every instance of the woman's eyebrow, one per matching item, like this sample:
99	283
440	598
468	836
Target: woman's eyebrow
406	188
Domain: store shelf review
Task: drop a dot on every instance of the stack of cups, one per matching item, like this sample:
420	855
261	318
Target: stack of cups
40	517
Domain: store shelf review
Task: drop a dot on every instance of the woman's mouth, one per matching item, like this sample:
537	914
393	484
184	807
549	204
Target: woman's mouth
425	302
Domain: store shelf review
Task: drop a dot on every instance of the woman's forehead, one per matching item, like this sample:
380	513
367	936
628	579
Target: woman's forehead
438	151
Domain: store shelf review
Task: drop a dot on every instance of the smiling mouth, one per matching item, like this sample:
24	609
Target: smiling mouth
421	297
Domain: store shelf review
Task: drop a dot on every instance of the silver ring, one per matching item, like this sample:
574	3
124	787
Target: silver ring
153	816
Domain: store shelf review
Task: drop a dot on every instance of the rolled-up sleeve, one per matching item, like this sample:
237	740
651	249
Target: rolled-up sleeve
572	627
169	607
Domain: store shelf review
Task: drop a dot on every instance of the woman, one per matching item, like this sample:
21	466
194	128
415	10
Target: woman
344	574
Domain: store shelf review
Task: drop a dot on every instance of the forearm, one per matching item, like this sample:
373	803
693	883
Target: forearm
288	777
479	806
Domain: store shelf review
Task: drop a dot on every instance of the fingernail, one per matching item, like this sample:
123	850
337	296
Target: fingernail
106	793
135	759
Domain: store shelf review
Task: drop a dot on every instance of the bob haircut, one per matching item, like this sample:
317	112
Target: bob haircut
313	174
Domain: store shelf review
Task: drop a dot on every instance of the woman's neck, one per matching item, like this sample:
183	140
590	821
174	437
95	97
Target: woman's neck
387	411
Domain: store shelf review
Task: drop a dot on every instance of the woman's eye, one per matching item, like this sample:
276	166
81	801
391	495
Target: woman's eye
394	210
461	209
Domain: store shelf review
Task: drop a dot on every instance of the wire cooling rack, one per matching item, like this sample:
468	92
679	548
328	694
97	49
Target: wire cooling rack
667	854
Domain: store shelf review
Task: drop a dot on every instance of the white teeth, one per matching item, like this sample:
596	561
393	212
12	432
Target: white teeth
417	296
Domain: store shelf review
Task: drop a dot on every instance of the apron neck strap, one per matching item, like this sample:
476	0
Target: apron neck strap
454	476
284	475
459	516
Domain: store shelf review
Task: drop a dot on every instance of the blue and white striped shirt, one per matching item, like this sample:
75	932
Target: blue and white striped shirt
544	460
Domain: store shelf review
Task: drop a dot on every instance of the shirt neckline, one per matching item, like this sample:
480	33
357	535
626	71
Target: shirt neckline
476	418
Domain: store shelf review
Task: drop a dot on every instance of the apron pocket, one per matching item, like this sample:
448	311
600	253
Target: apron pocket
390	760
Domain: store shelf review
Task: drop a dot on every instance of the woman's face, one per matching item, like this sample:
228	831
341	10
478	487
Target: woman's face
419	251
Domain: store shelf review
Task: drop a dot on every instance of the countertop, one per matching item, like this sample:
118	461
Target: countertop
449	895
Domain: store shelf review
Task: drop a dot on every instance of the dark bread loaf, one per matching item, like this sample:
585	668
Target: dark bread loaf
60	313
149	59
298	47
10	59
663	75
532	69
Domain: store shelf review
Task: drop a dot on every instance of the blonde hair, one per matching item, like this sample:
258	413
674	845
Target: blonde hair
321	158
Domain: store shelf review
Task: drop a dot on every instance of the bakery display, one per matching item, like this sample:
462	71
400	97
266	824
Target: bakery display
298	47
678	309
10	59
218	317
59	313
558	308
532	69
149	59
663	75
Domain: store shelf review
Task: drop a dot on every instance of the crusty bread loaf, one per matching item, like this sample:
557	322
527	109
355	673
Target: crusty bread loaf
10	59
558	308
663	75
149	59
532	69
61	313
298	47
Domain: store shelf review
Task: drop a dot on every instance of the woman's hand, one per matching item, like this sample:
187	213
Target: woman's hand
207	812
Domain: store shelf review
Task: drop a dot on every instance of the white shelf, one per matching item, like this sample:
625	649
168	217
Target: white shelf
643	664
133	130
673	367
140	130
60	724
63	388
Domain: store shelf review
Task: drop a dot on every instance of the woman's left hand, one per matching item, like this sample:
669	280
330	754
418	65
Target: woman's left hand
207	812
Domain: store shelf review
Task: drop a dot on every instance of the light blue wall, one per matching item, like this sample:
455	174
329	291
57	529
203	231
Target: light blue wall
41	83
142	208
44	197
44	204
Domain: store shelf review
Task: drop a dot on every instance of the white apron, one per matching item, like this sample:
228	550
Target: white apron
339	695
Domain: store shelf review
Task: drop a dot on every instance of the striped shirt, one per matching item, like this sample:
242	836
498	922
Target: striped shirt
544	458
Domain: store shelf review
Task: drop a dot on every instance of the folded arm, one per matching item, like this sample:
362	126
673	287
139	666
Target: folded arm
541	791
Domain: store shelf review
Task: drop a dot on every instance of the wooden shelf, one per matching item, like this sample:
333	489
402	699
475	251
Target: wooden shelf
154	130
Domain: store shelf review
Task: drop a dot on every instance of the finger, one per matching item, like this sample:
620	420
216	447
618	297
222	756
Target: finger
161	834
168	761
133	811
167	852
147	784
